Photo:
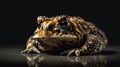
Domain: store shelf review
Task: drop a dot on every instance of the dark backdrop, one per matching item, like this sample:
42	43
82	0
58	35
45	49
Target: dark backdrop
18	18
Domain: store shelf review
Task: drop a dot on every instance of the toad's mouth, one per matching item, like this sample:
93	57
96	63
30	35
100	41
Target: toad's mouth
58	38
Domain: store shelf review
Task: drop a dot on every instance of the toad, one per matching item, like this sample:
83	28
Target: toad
65	35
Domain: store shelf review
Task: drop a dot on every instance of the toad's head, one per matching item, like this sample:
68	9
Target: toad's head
59	27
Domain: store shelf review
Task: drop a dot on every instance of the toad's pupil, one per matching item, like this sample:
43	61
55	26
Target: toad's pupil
63	25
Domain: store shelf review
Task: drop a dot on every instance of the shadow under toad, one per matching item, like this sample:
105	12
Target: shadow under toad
43	60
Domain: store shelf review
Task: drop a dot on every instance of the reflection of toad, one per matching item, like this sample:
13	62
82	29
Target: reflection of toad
42	60
65	35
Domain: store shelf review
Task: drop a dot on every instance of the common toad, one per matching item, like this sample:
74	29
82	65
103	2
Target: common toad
65	35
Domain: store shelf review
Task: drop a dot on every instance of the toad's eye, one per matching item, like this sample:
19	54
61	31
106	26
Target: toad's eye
63	25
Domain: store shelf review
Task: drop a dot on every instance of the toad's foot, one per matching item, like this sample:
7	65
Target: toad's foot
71	52
31	50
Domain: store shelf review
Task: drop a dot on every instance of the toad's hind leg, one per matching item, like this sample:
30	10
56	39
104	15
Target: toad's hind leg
94	43
31	46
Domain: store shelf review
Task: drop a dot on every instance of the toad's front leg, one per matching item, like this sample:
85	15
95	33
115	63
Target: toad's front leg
31	46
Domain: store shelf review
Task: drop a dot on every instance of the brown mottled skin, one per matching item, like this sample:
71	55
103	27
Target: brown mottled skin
65	35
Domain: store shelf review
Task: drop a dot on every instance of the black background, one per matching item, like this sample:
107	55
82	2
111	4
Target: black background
18	18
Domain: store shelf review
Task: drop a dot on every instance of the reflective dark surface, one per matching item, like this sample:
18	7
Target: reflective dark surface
11	57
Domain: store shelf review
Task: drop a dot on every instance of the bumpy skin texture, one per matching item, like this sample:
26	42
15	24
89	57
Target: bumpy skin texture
65	35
